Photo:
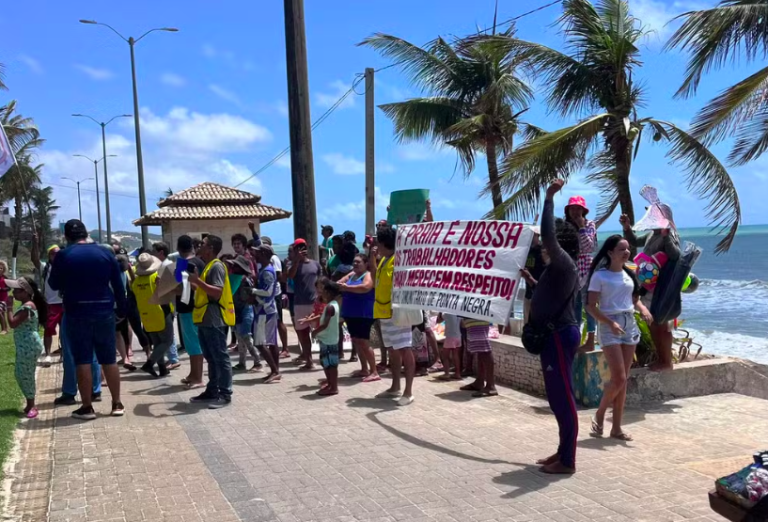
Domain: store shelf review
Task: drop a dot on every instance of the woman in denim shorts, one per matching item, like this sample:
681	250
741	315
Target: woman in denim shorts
614	296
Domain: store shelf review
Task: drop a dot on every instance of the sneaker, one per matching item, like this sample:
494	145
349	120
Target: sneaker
204	397
239	367
405	400
96	397
84	413
219	403
32	413
47	361
149	367
162	370
65	400
118	410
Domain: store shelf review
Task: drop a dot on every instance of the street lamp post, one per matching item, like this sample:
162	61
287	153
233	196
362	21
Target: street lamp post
98	199
79	205
103	126
131	41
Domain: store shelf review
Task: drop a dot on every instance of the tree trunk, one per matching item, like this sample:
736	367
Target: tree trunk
19	215
493	173
623	154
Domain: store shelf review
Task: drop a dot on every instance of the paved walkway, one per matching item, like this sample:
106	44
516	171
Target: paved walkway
281	453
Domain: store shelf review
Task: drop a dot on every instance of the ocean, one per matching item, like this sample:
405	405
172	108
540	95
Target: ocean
728	314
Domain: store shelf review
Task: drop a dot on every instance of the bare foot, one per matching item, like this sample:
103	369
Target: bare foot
557	468
549	460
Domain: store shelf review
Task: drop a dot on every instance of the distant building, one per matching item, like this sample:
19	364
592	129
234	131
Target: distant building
6	223
210	208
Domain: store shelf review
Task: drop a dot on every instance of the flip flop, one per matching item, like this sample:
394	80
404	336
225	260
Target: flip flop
625	437
469	387
485	393
306	368
325	392
273	379
597	429
193	385
372	378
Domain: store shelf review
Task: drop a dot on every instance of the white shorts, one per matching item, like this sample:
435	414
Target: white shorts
395	337
300	312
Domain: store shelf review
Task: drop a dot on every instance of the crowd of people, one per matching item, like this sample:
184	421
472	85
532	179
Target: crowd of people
100	303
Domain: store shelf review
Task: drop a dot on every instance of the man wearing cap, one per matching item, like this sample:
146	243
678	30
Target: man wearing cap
52	297
304	272
214	312
86	274
157	319
576	213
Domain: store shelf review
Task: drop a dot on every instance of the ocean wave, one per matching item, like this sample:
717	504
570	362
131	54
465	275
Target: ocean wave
732	344
730	283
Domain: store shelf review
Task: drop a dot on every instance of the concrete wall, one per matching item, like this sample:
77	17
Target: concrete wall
224	228
517	368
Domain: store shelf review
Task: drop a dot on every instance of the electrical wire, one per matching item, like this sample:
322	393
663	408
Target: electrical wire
93	191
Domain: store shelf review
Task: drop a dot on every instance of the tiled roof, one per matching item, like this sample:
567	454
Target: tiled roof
212	201
258	211
209	192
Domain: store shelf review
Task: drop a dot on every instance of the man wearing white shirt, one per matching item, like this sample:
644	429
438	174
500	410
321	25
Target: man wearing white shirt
52	297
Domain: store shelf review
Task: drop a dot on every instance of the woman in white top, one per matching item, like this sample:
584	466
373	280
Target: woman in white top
614	296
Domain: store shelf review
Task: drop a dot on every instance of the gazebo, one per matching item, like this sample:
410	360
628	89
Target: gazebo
210	208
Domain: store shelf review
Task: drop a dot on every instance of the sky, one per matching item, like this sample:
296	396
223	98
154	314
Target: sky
213	103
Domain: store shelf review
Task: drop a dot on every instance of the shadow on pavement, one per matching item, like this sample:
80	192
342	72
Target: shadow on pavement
527	480
175	408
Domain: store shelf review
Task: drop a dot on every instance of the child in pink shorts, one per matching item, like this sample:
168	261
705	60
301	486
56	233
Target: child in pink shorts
451	352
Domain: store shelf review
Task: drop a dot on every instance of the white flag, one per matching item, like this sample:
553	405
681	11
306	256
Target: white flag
7	159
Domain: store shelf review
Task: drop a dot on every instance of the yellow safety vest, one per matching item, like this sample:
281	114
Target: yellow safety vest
152	316
225	302
382	308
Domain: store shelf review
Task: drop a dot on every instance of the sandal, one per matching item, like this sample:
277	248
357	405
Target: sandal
597	429
193	385
273	379
325	392
485	393
469	387
371	378
624	437
307	368
444	378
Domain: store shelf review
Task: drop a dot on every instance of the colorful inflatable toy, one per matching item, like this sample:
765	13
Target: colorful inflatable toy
648	268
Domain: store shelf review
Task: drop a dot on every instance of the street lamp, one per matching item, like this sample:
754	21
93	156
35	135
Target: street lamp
103	126
139	161
98	204
79	205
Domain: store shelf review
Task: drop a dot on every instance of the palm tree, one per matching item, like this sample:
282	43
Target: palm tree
594	80
17	185
717	36
21	131
41	221
3	87
473	98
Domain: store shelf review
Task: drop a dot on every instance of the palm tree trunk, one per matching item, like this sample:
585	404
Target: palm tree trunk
493	173
623	166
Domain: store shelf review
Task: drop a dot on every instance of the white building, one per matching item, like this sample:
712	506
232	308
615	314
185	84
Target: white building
210	208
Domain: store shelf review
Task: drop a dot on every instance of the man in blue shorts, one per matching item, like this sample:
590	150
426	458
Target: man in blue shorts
86	274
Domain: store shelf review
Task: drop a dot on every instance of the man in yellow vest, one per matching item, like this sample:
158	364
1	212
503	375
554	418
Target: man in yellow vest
214	312
157	319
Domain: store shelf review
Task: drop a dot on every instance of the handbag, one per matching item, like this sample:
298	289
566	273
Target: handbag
535	336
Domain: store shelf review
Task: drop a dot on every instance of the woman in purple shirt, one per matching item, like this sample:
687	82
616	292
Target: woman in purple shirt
357	311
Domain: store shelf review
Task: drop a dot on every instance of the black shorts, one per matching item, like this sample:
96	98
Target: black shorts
359	327
122	329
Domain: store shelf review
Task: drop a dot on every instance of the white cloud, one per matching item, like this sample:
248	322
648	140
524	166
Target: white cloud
657	16
284	162
184	132
31	63
94	73
229	58
338	89
418	151
173	80
225	94
354	210
344	165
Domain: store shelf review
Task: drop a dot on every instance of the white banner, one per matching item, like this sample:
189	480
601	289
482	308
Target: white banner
6	154
467	268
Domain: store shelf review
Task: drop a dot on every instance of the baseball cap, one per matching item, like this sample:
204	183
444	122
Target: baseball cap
75	229
300	242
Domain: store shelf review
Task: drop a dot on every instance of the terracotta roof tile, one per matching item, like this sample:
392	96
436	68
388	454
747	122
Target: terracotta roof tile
258	211
209	192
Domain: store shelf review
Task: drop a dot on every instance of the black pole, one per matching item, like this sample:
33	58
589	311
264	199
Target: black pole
106	185
98	203
79	205
302	170
139	160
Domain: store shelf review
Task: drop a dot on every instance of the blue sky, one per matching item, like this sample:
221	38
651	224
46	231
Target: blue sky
213	101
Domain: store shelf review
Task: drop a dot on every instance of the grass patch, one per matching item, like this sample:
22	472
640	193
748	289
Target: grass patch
10	398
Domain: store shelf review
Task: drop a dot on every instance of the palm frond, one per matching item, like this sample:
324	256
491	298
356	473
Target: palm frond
423	118
531	132
708	179
537	162
726	113
751	139
716	36
3	86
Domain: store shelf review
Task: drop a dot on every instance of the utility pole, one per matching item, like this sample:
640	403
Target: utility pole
139	159
106	186
300	127
370	156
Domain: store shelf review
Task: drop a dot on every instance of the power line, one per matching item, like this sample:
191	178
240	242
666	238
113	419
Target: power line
316	124
527	13
92	190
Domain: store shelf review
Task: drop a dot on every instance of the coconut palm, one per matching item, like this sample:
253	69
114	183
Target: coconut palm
715	37
40	222
22	133
595	80
472	102
17	185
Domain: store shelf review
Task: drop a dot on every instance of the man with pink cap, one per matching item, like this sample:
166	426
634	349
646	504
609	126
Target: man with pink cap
576	213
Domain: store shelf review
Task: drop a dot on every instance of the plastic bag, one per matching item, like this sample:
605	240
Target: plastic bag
667	301
658	216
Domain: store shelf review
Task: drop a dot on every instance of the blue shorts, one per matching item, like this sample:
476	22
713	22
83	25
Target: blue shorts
244	321
630	337
91	334
189	332
329	355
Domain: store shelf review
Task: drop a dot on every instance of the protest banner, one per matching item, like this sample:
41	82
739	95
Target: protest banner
467	268
407	206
